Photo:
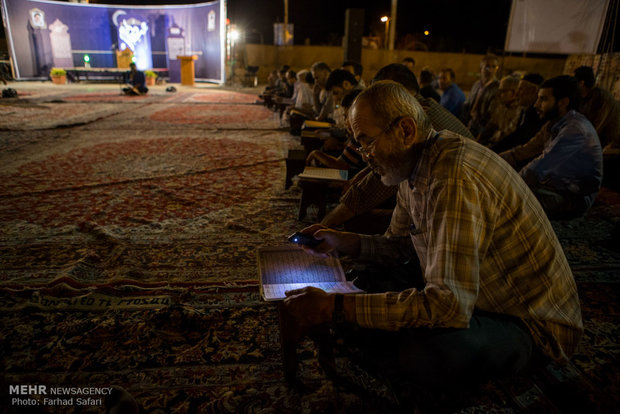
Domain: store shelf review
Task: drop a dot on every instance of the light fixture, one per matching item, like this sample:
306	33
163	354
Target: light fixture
384	19
234	35
426	33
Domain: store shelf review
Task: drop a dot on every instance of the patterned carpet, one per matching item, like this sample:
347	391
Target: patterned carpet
128	237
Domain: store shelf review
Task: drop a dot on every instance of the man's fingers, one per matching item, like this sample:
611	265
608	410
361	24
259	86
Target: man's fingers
311	251
313	228
294	292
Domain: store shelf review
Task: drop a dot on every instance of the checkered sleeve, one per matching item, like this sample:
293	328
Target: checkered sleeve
454	231
367	193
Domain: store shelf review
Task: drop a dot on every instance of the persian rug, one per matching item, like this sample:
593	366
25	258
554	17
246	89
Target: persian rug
209	348
219	96
128	257
22	115
193	116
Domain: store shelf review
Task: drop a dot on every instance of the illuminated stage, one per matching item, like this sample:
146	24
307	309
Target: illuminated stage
99	41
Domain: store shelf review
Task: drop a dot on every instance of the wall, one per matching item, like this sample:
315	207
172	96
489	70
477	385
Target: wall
466	66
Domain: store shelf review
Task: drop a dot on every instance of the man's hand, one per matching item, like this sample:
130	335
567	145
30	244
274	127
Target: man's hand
309	306
336	243
314	155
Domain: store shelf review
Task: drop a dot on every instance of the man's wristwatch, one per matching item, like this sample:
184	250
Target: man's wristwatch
338	317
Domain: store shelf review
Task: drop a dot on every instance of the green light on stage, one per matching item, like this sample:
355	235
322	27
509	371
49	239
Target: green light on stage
133	59
86	58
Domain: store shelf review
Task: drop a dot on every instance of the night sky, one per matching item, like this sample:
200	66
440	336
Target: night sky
454	25
473	26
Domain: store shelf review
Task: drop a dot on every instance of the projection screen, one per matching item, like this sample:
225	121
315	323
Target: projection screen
45	34
556	26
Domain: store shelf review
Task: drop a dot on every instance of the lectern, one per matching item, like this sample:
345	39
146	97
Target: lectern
187	69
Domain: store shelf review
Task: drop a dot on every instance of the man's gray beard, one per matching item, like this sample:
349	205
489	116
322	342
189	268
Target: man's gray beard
390	179
399	171
402	165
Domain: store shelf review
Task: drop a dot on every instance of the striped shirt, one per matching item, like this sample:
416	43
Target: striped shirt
370	192
483	242
351	155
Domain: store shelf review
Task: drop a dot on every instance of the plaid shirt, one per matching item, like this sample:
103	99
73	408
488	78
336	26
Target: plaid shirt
483	241
370	192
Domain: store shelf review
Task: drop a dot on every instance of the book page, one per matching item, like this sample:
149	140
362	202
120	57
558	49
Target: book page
288	267
324	174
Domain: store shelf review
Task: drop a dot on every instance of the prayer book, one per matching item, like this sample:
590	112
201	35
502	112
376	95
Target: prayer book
319	173
309	124
295	111
288	267
309	133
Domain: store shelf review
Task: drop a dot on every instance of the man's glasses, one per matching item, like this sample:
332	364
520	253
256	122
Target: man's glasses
368	152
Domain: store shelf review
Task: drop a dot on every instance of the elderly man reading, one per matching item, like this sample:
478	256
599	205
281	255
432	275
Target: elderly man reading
488	291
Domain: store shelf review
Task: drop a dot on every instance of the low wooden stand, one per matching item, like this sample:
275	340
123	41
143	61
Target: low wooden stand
315	192
295	163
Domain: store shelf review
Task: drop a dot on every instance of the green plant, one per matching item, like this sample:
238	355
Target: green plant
58	72
150	74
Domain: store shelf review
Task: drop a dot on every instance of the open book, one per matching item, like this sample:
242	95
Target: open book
288	267
320	173
310	124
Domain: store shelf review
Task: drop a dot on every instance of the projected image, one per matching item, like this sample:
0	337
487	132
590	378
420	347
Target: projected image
132	34
67	35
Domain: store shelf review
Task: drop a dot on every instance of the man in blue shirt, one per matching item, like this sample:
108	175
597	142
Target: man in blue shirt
452	97
567	174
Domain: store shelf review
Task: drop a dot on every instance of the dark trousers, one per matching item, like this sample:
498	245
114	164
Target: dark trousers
493	346
558	205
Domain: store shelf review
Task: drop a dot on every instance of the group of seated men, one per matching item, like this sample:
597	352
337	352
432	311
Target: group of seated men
469	281
552	132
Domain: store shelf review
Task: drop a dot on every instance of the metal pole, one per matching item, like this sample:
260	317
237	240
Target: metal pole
387	26
393	23
286	35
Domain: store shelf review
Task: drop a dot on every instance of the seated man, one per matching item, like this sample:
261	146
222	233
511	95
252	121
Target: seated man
301	104
409	62
340	82
477	107
302	97
284	89
452	97
505	113
367	191
323	100
350	159
426	87
529	123
490	293
566	174
600	107
136	82
356	69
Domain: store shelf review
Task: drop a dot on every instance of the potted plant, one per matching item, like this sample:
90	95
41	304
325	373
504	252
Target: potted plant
150	77
58	75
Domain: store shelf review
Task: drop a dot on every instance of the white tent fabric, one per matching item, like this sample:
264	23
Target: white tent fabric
556	26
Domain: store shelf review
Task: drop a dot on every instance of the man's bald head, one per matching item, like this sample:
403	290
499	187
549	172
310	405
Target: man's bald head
388	100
